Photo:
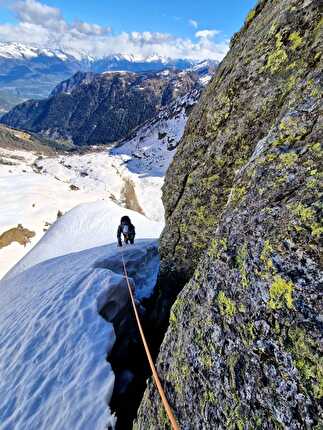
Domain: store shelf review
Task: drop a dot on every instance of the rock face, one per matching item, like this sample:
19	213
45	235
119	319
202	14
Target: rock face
93	109
242	201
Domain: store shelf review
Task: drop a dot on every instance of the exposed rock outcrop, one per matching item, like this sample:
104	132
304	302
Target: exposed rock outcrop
242	199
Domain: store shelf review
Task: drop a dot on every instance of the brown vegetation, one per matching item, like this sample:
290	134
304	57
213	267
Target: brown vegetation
17	234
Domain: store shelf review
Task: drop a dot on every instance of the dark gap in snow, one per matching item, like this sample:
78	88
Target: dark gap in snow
170	283
127	358
128	363
130	366
154	315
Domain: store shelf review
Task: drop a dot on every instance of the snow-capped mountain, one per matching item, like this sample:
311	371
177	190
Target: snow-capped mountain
138	63
14	50
28	72
20	51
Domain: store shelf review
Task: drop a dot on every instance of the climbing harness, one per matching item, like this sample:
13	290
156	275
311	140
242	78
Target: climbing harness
167	407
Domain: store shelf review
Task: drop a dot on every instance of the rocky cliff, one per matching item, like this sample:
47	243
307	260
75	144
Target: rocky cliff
242	199
92	109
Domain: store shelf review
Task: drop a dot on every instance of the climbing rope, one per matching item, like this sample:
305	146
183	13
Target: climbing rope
167	407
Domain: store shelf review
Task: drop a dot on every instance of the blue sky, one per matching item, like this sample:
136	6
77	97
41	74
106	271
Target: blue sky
141	26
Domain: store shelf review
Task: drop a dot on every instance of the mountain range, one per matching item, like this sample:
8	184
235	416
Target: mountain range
92	108
28	72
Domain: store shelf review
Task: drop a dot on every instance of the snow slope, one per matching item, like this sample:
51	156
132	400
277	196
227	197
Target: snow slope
32	200
106	172
152	147
53	344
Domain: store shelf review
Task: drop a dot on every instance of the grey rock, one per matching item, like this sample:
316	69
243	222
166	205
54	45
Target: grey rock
243	349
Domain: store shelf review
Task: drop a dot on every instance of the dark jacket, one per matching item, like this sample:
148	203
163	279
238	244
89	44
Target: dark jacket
130	236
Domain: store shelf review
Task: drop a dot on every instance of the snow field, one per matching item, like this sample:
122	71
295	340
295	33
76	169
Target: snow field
53	347
34	199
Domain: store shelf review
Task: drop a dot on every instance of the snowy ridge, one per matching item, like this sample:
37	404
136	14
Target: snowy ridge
85	226
16	50
12	50
139	58
54	344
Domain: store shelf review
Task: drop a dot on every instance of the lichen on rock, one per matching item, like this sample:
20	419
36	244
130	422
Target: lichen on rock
244	347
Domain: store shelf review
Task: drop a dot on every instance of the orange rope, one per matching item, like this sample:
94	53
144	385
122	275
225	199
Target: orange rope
167	407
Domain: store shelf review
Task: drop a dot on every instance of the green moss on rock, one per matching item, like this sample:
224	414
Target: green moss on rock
288	159
242	264
226	305
307	361
296	40
251	15
278	57
280	294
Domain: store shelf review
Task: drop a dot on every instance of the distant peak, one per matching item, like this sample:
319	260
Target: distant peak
16	50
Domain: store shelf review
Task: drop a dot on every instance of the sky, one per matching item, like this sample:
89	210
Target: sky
196	29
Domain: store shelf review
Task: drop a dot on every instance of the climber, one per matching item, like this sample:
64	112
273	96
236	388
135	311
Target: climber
127	229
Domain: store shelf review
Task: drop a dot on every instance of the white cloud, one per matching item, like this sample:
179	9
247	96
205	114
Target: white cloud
149	38
206	34
193	23
91	29
43	25
33	12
